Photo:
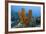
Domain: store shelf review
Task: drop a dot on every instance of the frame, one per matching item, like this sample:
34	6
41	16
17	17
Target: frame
9	3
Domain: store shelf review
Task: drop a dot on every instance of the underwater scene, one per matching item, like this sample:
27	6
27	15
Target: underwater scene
25	16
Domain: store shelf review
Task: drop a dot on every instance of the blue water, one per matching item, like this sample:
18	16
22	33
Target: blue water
35	9
14	12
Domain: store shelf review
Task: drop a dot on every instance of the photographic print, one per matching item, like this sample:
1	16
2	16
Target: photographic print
25	16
